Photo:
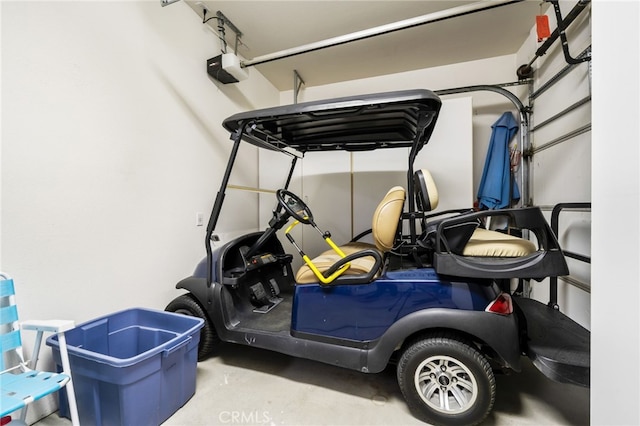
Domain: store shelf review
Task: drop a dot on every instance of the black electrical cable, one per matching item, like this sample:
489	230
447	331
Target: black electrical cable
207	20
220	27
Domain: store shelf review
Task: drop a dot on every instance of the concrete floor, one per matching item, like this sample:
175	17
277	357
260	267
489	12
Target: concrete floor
244	385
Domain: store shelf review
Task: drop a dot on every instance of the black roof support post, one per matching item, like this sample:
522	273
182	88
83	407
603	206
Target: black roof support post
217	205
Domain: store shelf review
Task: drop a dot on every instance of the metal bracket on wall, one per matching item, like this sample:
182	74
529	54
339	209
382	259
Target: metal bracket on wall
222	21
297	84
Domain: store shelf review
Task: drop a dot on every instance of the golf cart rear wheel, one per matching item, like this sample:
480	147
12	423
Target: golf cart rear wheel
187	305
446	381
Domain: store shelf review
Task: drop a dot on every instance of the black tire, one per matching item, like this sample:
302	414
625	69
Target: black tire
187	305
446	381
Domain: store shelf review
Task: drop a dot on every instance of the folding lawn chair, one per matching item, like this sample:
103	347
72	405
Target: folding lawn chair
20	383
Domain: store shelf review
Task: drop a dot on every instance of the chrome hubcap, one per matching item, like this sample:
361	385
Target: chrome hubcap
446	385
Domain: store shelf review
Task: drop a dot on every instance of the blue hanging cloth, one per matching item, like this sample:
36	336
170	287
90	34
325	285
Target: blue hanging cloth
493	192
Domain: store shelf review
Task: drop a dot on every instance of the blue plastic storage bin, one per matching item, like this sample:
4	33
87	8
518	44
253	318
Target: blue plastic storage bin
134	367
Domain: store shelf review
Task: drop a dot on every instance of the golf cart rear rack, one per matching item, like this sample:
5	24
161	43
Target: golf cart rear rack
547	261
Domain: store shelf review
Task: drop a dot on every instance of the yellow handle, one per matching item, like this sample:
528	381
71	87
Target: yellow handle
291	226
318	274
335	247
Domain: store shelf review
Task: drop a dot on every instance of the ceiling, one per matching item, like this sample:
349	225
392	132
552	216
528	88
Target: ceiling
272	26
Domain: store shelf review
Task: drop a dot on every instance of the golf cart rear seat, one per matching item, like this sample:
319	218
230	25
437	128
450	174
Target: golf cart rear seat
462	247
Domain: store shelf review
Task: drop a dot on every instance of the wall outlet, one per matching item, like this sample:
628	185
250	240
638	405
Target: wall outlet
199	219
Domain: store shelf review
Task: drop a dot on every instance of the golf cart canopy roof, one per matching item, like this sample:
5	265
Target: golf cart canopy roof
354	123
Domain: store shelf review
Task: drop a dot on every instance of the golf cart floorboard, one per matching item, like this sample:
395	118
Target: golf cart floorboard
279	318
558	346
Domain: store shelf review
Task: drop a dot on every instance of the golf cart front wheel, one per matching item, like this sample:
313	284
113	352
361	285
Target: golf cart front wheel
187	305
446	381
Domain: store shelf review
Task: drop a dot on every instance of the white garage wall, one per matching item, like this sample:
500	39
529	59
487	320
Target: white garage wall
616	202
111	142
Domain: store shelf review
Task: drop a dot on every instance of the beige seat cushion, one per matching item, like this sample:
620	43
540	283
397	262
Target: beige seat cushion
385	219
485	243
323	262
426	190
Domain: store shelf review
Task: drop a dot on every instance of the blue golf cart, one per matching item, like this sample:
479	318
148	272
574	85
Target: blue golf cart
428	291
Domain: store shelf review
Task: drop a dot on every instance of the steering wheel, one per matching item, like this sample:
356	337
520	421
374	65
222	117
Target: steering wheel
294	206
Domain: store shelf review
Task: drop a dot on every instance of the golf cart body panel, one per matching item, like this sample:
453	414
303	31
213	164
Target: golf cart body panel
374	318
365	312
